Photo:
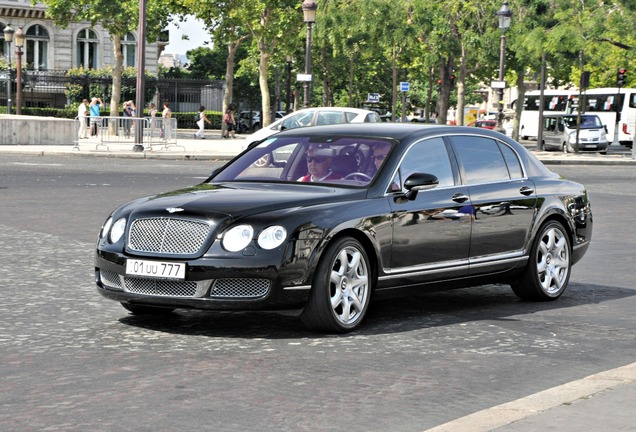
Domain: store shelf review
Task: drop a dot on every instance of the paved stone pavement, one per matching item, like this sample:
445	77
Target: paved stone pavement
602	402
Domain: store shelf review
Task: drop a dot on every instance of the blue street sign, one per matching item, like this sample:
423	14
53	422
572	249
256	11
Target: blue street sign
404	86
373	97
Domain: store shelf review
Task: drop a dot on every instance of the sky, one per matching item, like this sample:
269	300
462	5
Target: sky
193	28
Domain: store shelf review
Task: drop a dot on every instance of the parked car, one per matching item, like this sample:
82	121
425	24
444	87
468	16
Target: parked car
313	117
486	124
250	121
559	133
391	207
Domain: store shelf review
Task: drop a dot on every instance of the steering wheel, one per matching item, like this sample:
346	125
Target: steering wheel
357	176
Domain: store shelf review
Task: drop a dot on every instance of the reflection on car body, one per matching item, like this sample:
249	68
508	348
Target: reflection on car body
443	207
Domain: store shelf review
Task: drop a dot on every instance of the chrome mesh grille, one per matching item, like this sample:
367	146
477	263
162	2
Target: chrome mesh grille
239	288
160	287
110	280
168	235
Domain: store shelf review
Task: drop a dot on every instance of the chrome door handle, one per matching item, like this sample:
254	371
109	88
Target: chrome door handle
459	197
526	190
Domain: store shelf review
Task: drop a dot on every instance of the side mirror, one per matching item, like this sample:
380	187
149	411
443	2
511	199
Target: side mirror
417	182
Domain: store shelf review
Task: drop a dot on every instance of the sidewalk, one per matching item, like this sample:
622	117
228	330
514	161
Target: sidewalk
216	148
597	403
187	147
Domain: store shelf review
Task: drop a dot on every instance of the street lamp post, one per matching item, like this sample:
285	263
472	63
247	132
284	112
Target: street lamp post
504	15
309	16
288	89
19	43
8	37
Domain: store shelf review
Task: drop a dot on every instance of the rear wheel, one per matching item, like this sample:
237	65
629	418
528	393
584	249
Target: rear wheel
548	270
146	310
341	291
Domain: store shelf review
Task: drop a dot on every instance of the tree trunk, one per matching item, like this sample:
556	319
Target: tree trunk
521	88
429	94
443	98
116	90
461	89
351	76
232	47
327	96
394	82
266	116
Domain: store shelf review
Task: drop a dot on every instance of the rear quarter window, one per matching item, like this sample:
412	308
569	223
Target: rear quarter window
480	159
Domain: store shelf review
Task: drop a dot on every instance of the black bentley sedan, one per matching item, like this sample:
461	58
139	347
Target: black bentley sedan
349	212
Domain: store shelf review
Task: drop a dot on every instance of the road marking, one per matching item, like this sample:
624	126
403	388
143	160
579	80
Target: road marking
504	414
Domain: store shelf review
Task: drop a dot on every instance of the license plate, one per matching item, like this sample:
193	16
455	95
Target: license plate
590	146
155	269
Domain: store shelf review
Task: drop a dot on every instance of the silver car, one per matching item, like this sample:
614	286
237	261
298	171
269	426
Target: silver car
559	133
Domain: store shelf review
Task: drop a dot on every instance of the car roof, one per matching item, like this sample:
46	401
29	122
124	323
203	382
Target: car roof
399	131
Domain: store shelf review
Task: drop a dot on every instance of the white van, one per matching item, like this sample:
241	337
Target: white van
559	133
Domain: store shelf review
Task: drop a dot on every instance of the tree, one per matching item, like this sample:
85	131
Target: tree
269	22
118	18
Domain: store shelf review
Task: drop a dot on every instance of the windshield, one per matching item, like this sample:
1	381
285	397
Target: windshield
587	122
350	161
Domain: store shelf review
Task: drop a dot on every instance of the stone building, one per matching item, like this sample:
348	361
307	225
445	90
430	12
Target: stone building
50	50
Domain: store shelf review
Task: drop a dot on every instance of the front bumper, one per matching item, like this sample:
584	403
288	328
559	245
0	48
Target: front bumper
209	284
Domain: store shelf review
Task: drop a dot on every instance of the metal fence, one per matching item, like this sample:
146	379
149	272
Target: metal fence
104	131
58	89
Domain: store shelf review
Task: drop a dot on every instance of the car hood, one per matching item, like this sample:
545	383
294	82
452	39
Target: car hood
236	200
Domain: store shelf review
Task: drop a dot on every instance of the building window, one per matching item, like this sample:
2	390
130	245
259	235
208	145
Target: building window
87	48
3	43
128	49
37	48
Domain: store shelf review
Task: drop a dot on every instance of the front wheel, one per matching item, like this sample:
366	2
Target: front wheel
341	291
548	270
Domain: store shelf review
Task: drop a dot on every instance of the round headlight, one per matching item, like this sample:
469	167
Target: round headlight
106	227
237	238
117	231
272	237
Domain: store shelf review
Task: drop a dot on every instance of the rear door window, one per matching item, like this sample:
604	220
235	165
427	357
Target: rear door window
480	159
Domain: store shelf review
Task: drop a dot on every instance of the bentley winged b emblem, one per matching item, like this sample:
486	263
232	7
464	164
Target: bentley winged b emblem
174	209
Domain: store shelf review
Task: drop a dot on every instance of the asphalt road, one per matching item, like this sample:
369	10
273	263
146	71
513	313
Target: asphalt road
73	361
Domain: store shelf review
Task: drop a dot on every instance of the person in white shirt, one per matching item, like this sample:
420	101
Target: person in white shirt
82	116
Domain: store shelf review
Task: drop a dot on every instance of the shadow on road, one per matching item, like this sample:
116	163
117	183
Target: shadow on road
386	316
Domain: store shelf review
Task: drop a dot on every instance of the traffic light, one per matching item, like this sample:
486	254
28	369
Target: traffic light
620	76
452	81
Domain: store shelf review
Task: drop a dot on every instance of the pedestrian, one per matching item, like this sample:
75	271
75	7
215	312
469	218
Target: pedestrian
229	122
82	116
202	120
129	111
95	112
152	110
166	115
152	113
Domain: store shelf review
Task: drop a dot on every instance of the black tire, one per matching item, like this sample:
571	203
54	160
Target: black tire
547	273
146	310
341	291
